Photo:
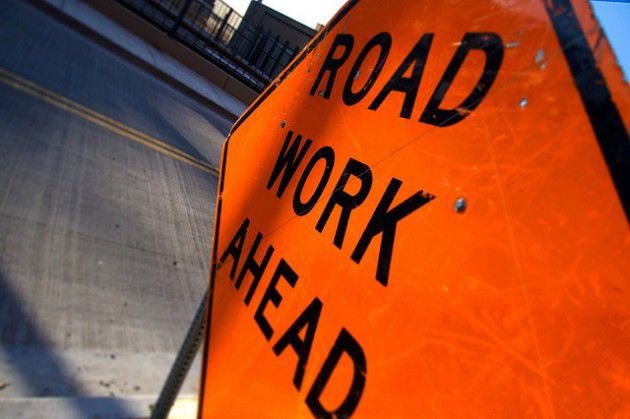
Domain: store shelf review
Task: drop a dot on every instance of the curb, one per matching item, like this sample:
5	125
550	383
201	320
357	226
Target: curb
92	407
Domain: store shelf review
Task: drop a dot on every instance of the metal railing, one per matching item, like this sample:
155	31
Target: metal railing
218	33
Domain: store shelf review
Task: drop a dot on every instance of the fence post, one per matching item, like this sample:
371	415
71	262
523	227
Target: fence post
268	53
223	23
283	49
255	43
180	17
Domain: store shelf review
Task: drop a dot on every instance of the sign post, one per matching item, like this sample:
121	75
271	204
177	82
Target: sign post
426	214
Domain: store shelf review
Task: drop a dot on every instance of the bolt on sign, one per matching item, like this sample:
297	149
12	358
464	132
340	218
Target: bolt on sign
426	215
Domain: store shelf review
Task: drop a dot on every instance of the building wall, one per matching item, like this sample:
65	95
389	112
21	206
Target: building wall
268	40
287	29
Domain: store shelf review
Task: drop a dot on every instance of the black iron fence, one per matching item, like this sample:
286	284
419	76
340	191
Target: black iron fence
217	32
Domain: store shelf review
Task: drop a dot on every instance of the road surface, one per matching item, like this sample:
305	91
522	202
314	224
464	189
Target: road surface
107	193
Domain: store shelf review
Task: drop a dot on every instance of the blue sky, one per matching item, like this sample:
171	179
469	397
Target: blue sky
614	16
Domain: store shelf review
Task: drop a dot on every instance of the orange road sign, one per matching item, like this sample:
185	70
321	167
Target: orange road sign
426	215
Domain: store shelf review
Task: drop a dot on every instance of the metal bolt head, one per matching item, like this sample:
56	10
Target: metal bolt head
523	102
460	205
283	123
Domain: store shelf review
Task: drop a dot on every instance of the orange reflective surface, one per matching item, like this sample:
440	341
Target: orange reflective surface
517	306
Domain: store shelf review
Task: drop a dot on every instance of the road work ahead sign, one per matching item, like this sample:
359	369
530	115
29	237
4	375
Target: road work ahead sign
426	215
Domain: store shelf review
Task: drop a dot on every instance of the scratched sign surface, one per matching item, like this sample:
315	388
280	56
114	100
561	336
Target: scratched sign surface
426	214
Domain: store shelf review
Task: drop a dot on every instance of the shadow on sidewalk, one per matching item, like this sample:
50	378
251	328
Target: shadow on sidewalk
49	376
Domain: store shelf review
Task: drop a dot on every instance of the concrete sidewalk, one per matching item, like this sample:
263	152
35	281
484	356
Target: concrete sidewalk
104	240
98	407
112	384
79	13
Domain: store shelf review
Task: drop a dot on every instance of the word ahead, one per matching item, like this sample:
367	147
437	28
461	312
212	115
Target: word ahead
301	334
489	43
384	218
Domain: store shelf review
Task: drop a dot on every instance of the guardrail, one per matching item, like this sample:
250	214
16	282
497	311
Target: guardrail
221	35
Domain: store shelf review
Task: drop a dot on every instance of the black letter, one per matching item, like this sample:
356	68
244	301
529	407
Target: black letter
407	85
288	161
344	343
309	318
384	41
272	294
384	221
256	269
303	208
235	248
492	46
333	64
346	201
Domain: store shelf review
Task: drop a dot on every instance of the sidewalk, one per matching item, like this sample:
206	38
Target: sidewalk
104	242
99	26
98	407
88	384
